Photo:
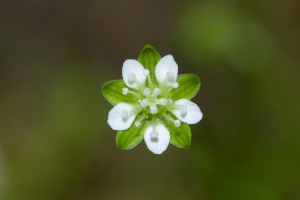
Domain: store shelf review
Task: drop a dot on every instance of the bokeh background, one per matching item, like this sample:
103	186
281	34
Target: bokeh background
54	139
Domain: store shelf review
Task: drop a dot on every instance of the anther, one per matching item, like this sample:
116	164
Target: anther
125	91
146	92
161	101
138	122
153	109
176	123
125	115
156	91
144	103
170	74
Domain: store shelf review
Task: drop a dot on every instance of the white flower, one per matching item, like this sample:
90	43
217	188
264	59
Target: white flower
152	102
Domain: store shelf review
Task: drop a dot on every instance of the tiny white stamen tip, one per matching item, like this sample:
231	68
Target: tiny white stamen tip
137	123
144	103
177	123
146	72
125	91
146	92
175	85
162	102
153	110
156	91
131	77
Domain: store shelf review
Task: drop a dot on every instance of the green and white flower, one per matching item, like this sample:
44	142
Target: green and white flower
152	102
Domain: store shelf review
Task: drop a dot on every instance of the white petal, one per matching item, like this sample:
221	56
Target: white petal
165	65
132	66
193	113
160	143
115	116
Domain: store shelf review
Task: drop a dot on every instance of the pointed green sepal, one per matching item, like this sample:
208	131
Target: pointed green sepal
179	136
112	91
131	137
149	57
189	85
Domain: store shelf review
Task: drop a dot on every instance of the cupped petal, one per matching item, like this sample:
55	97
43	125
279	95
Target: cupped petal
133	69
166	67
119	117
186	111
157	138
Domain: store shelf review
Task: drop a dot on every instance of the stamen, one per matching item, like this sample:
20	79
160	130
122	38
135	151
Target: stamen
146	92
147	74
139	122
144	103
168	89
176	123
137	95
131	78
162	101
156	91
169	79
153	109
168	117
125	91
183	110
125	115
170	75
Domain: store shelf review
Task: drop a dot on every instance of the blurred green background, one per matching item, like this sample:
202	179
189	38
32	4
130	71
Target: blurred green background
54	139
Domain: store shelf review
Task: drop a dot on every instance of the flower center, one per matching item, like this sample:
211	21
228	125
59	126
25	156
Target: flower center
152	101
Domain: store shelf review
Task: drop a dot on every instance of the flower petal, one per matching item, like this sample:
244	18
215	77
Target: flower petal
191	113
157	139
133	67
165	65
116	118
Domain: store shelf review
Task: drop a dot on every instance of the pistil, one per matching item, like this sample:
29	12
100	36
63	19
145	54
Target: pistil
168	117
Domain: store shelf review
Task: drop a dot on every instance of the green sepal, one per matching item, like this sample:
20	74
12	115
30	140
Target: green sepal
179	136
112	91
149	57
131	137
189	85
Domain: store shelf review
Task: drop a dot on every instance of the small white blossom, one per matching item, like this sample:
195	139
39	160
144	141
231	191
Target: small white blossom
152	100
